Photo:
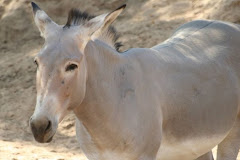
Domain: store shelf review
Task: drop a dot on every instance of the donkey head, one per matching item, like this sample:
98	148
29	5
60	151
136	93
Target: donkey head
61	69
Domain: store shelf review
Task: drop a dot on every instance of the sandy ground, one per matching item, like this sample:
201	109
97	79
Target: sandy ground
143	24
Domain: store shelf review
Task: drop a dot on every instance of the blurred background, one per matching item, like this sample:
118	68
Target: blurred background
144	23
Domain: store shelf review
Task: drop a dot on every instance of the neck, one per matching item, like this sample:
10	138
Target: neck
98	106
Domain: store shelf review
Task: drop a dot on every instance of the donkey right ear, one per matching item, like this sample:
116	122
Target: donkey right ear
43	21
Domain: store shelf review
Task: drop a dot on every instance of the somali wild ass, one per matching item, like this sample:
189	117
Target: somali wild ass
174	101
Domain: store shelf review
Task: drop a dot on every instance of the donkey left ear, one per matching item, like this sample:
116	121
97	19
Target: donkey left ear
103	21
43	21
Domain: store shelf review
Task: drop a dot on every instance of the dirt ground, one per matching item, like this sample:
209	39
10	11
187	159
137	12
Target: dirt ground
144	23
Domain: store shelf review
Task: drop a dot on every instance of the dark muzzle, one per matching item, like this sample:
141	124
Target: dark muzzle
40	128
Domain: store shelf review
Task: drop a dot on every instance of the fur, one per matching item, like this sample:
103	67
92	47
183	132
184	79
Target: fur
76	17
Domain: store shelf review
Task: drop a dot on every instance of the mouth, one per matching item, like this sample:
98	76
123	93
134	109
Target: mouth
49	140
43	140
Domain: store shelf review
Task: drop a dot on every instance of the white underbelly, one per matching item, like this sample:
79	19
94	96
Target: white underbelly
187	149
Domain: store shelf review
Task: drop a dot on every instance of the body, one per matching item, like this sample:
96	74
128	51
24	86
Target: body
175	96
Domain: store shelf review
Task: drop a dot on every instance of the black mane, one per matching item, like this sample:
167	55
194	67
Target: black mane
76	17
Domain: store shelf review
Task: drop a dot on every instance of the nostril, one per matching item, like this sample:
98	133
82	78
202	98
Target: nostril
48	126
32	127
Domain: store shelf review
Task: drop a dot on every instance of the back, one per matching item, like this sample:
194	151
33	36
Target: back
203	40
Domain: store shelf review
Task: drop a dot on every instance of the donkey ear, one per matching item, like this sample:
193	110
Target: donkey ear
103	21
43	21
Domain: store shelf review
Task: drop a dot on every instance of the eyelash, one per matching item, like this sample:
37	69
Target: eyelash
71	67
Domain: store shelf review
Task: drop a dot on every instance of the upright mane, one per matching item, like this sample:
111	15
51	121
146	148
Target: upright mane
109	35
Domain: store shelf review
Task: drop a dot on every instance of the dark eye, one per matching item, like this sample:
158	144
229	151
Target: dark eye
36	62
71	67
